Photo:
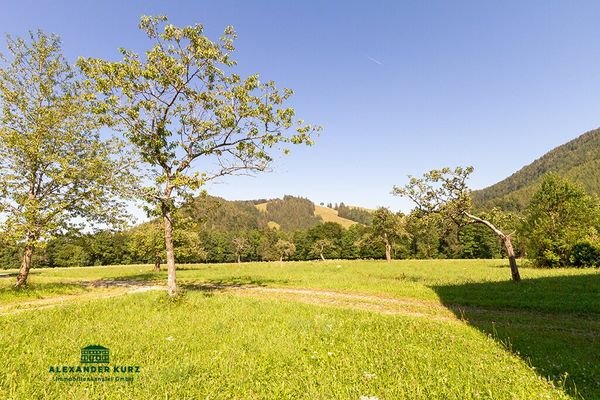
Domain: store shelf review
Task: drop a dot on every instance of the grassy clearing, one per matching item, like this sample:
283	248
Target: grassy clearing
427	329
227	347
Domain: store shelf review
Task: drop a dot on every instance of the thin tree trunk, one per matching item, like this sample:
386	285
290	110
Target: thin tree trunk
321	254
239	258
388	249
171	271
25	265
280	259
506	241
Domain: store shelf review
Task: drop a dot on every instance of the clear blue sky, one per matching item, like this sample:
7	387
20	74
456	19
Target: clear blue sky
400	87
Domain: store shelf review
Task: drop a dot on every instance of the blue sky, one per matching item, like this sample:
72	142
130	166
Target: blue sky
400	87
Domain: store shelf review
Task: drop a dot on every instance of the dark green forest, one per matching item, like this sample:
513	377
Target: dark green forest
577	160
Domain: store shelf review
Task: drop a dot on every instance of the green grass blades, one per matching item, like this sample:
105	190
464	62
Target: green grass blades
336	329
222	347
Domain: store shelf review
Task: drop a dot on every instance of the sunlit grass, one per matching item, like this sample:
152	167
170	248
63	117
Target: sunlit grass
507	340
227	347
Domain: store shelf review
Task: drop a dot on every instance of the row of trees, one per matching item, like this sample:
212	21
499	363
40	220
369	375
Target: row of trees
558	228
392	235
175	105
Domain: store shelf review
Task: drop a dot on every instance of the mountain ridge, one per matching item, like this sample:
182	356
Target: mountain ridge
577	160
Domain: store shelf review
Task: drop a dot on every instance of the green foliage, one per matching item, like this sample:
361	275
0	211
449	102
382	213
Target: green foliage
585	254
577	160
292	213
55	170
285	248
325	239
387	226
440	191
214	213
181	102
560	215
359	215
478	241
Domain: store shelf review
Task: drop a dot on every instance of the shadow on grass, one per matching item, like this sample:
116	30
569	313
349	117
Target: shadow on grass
552	323
143	279
39	290
215	285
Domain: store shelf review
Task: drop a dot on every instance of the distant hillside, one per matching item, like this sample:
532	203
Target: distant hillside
577	160
292	213
331	215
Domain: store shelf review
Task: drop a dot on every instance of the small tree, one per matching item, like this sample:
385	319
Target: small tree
444	192
240	244
54	168
180	105
146	243
285	249
321	246
389	228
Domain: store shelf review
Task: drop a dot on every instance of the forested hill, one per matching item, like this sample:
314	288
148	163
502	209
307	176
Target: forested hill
577	160
290	213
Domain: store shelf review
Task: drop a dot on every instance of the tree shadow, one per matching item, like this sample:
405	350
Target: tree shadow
39	290
552	323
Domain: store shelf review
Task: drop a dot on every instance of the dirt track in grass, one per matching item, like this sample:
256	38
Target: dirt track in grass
429	309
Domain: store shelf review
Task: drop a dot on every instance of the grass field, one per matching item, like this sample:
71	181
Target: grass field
444	329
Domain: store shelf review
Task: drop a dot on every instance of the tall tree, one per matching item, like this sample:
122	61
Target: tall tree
54	168
180	104
444	192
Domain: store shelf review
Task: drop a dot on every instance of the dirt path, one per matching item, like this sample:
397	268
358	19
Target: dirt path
17	307
432	310
385	305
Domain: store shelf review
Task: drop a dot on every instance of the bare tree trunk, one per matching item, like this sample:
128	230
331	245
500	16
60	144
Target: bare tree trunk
239	258
514	270
388	249
321	254
171	271
25	265
506	241
280	259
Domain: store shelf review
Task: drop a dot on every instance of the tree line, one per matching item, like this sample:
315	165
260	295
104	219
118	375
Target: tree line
181	117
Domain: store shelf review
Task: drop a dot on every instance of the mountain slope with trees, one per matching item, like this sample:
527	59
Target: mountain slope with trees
577	160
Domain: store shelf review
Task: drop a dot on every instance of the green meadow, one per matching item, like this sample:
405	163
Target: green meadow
411	329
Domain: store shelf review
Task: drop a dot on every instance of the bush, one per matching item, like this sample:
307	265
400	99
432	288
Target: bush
585	254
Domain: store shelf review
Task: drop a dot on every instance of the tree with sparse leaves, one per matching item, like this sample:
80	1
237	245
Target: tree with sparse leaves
240	244
55	170
321	246
445	193
285	249
181	104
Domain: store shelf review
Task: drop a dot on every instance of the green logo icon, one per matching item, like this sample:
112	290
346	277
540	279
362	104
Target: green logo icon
94	354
